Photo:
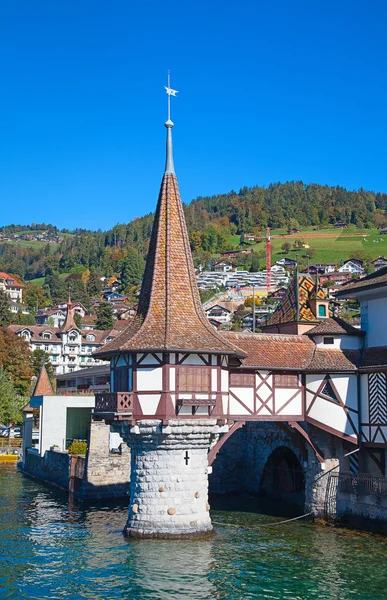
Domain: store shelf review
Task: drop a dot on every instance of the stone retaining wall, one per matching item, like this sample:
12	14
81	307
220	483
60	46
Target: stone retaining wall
106	474
53	467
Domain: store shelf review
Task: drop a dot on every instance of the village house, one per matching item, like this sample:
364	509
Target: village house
341	225
223	267
351	266
219	313
12	287
54	316
16	307
69	348
379	262
288	263
77	307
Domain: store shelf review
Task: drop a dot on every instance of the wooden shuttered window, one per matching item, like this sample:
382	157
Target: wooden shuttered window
242	379
194	379
286	381
121	379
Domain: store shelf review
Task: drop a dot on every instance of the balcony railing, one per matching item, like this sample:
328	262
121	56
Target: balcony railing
114	402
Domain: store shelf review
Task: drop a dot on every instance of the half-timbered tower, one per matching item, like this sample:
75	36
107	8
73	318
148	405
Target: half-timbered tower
169	380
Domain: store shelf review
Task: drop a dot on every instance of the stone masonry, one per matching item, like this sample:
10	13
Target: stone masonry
106	475
240	464
169	478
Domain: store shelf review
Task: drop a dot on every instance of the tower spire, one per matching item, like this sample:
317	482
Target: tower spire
169	166
170	316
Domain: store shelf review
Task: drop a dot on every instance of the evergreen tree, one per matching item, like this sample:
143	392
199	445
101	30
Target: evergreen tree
104	316
132	269
5	313
21	319
40	358
94	285
77	290
56	288
78	320
254	267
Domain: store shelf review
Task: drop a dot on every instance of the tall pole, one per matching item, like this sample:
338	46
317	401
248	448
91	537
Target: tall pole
253	308
268	261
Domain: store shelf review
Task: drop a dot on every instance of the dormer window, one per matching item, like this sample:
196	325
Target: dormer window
328	340
73	337
322	310
46	335
90	337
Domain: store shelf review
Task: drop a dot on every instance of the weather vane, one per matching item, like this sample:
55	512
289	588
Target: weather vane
170	93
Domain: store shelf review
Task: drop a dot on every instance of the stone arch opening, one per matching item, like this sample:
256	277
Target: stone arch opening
283	477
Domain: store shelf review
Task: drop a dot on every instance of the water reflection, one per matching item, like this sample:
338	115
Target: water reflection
57	549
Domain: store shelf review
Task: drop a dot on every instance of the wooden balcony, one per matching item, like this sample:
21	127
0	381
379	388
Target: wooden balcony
118	403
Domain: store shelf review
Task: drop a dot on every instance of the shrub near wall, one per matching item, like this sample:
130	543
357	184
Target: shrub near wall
77	447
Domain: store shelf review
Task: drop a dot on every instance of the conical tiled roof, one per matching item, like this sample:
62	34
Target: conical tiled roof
69	321
43	385
169	315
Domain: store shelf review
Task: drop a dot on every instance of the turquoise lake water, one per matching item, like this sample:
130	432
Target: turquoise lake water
54	548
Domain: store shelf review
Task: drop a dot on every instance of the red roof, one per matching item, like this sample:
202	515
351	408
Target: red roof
274	350
291	352
169	315
334	360
334	326
43	385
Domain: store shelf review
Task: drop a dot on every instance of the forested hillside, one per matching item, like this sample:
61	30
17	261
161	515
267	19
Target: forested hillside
212	223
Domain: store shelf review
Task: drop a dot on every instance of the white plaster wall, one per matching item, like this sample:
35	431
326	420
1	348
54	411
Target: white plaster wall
313	382
193	359
214	380
53	417
345	342
282	395
224	380
377	322
149	379
149	403
346	386
247	397
172	379
332	416
151	360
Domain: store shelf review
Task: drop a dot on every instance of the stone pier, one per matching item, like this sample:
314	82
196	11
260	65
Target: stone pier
169	478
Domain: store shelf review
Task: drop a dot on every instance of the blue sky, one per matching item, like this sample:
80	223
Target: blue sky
268	91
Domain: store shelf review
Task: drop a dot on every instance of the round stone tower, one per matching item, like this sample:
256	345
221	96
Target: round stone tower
169	381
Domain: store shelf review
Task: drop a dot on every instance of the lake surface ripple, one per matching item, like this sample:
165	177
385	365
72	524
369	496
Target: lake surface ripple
53	548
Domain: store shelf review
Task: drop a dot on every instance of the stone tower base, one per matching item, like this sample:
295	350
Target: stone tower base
169	478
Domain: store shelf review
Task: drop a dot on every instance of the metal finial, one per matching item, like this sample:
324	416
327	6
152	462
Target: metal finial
169	167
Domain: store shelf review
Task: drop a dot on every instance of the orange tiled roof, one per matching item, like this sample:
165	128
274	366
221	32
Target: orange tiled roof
334	326
43	385
274	350
334	360
291	352
169	314
69	321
